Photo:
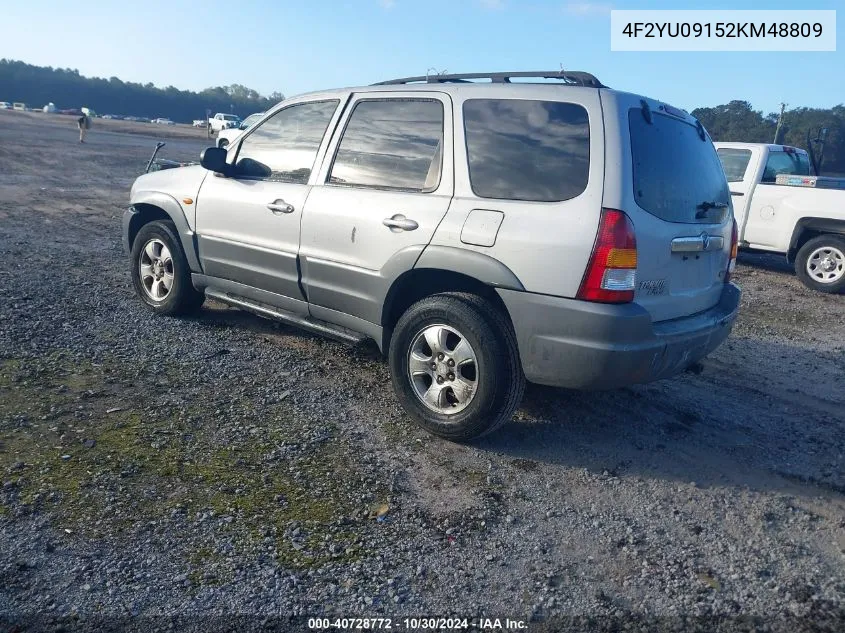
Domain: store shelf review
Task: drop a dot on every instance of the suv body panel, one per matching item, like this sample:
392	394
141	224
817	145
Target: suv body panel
350	258
546	245
669	284
333	259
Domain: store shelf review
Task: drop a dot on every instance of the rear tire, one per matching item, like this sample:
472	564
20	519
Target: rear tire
468	382
820	264
160	272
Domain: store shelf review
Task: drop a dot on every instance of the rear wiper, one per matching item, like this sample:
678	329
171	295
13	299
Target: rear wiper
705	206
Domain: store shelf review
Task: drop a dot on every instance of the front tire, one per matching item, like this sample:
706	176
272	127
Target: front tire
820	264
160	272
455	366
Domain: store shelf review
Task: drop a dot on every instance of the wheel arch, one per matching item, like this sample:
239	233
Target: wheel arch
159	206
425	280
808	228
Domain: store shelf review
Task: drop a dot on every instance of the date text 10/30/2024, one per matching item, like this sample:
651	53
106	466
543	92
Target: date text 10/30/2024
417	624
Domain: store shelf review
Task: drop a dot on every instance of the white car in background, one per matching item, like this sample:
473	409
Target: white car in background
163	121
228	135
222	121
5	105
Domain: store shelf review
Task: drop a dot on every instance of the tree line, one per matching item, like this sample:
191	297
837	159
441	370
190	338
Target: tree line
67	89
38	85
737	121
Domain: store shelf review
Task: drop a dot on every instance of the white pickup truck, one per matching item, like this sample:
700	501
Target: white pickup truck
781	207
223	121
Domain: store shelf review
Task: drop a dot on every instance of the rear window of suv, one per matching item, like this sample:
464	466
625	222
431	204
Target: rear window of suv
527	150
677	176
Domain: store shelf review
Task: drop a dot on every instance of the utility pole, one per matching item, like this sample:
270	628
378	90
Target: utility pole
780	122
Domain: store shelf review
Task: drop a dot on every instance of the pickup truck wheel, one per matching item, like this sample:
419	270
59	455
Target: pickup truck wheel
455	366
160	272
820	264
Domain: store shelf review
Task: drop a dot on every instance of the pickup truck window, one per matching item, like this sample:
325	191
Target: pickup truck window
734	162
791	163
677	175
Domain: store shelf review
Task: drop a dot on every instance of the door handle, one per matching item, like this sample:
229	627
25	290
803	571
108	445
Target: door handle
737	193
399	223
280	206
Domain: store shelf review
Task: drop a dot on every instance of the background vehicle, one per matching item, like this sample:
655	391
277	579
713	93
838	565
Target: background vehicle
782	208
224	137
481	234
200	123
19	106
222	121
5	105
163	121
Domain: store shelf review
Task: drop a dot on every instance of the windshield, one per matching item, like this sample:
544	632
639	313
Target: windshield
677	175
230	117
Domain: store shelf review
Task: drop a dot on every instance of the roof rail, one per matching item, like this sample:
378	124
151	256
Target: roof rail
571	77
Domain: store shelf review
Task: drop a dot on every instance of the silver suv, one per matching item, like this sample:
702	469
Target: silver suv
482	231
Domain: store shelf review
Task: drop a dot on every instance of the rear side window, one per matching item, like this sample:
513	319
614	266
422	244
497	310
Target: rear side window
734	162
791	163
527	150
391	144
284	147
677	176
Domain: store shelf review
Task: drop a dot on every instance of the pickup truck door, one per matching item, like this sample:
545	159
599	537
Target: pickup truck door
769	220
248	224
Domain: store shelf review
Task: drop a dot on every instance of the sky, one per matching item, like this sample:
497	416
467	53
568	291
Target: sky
298	46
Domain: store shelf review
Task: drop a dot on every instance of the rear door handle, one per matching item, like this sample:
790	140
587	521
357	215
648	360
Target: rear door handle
399	223
280	206
737	193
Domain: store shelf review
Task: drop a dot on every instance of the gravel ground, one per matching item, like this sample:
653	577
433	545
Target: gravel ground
225	465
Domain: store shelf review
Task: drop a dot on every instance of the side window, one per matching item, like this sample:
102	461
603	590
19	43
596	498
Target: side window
284	147
734	162
391	144
785	163
527	150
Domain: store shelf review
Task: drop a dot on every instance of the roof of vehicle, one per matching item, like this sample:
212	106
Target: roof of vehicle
772	147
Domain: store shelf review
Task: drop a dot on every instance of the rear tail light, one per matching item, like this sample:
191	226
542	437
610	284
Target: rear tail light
611	275
734	250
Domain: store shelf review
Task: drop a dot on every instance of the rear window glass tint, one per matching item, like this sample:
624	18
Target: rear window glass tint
791	163
734	162
527	150
675	171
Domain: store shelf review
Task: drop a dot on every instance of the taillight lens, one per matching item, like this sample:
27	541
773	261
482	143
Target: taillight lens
734	250
611	275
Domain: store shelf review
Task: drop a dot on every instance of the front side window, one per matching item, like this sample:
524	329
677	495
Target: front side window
791	163
527	150
734	162
284	147
391	144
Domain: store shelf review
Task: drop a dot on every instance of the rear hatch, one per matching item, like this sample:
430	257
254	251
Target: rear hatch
676	194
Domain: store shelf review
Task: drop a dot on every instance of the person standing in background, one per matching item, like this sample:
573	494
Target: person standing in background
84	123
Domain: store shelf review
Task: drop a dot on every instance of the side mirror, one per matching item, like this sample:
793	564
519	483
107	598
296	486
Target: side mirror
214	159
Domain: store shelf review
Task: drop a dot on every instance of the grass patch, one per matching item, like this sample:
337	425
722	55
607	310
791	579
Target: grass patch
76	451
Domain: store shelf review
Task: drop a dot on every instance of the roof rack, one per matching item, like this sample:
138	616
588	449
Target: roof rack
571	77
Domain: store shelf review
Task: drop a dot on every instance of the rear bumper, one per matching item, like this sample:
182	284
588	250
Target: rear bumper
583	345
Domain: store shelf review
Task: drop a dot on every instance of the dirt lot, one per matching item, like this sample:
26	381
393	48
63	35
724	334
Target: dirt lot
224	464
